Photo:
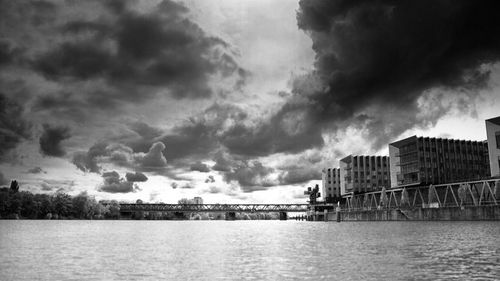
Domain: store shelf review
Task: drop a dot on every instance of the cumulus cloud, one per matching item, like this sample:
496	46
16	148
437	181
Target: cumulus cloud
112	183
176	185
136	177
51	138
57	185
200	167
121	155
154	158
14	128
214	190
210	179
384	56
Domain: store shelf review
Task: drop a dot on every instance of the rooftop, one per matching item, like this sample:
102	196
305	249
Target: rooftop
495	120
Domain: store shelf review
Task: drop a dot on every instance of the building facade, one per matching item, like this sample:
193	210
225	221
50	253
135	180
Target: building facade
330	184
198	201
364	173
493	135
424	160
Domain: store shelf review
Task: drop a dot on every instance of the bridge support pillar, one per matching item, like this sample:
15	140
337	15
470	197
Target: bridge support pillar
230	216
283	216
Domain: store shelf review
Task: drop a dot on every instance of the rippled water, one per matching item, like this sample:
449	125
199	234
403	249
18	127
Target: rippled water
248	250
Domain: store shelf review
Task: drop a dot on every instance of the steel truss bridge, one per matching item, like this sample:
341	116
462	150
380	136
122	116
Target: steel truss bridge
473	193
237	208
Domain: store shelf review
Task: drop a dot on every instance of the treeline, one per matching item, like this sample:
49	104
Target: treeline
16	204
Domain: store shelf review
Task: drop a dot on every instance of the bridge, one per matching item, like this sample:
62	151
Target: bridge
229	210
238	208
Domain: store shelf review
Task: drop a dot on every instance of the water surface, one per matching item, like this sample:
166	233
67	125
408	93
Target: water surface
248	250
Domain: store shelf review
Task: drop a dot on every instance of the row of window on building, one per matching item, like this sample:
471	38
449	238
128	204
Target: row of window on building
417	161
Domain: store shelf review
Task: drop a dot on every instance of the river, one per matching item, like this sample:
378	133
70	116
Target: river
248	250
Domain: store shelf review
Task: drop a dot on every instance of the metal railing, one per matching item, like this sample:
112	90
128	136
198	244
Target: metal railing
472	193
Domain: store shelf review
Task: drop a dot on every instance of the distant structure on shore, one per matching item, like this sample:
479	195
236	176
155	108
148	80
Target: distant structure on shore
416	160
493	134
195	201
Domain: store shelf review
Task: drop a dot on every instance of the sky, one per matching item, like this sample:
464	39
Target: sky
233	101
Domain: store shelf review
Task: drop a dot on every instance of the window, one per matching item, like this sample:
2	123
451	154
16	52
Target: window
497	136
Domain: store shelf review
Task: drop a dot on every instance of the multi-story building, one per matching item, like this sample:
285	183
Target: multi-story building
424	160
198	200
331	184
493	135
364	173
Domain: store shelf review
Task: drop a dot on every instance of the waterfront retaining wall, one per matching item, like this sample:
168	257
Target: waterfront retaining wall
421	214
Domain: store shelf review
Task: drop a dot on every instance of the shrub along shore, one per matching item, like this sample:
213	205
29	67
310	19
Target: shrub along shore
15	204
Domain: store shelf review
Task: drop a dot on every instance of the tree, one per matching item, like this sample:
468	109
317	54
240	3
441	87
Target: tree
63	205
46	205
114	210
14	186
29	207
81	206
4	202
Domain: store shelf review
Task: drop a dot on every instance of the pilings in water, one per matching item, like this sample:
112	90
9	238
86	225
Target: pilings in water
230	216
283	216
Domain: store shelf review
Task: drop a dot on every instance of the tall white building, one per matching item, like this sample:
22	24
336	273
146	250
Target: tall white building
493	134
331	184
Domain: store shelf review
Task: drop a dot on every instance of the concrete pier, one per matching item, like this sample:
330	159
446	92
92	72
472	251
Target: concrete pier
420	214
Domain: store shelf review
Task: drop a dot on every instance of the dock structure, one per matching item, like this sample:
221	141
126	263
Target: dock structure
472	200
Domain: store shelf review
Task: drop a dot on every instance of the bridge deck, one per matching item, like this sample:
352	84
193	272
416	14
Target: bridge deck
247	208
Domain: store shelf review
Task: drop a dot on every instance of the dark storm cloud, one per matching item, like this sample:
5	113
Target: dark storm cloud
14	128
138	50
112	183
136	177
386	54
228	126
300	175
8	53
251	176
200	167
51	138
290	130
222	162
88	161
